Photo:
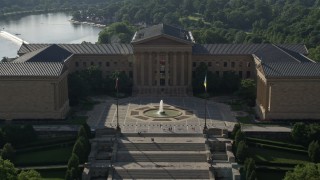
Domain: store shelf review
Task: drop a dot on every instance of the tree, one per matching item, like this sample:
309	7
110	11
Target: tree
236	128
79	150
118	32
299	133
7	152
29	175
240	136
7	170
314	151
73	167
87	129
308	171
248	91
249	169
82	132
241	151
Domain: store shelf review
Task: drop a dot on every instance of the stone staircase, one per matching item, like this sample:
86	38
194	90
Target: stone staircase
161	157
160	174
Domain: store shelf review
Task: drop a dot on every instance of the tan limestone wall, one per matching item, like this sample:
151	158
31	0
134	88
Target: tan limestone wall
31	98
294	99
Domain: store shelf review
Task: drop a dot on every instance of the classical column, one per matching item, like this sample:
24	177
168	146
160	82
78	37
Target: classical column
135	71
150	68
189	70
167	69
182	69
174	69
142	61
158	69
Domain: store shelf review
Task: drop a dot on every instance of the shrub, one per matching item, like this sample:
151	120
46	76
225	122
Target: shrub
8	152
240	136
249	169
314	151
73	167
236	128
241	151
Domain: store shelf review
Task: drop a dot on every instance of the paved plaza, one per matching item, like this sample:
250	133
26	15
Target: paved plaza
105	114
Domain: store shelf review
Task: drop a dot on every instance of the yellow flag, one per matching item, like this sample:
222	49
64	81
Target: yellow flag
205	83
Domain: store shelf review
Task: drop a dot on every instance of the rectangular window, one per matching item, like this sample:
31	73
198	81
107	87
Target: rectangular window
162	82
84	64
209	64
130	64
77	64
193	74
218	73
100	64
194	64
248	64
107	64
240	74
130	74
248	74
225	64
92	63
225	73
115	63
233	64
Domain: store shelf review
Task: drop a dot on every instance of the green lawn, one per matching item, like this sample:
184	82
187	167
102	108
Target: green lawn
46	157
52	174
276	156
270	174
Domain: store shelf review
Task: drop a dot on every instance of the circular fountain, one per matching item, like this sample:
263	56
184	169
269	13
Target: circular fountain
162	112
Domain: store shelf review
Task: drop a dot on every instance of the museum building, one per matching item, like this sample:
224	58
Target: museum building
160	60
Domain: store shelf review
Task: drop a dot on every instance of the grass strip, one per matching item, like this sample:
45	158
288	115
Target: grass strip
42	158
274	157
276	143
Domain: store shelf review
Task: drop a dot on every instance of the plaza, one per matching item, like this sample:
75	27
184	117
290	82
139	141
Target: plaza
105	115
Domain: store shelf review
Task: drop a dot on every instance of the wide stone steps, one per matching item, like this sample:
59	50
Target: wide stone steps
125	157
159	174
166	135
161	147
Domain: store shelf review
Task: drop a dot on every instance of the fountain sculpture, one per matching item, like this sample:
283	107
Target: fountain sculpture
161	111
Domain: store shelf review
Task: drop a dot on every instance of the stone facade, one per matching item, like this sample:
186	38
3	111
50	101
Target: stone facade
161	60
32	97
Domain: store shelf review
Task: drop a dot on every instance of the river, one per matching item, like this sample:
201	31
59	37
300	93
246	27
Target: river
44	28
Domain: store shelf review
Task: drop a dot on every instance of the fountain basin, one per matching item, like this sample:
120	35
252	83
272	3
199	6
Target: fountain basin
167	113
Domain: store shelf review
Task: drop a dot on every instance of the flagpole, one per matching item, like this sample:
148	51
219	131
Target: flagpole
205	128
118	128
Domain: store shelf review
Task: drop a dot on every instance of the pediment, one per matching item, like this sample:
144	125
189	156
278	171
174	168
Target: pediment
162	40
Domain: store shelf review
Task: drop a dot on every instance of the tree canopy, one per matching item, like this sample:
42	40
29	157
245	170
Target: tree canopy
308	171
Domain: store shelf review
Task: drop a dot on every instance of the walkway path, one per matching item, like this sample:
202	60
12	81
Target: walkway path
104	114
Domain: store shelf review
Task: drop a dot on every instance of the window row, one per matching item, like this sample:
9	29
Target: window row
107	64
225	64
224	73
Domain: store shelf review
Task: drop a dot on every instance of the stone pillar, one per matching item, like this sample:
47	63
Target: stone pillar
135	70
158	69
183	61
174	75
150	68
167	69
142	61
189	70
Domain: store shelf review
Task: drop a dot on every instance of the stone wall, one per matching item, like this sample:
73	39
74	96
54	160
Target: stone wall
33	97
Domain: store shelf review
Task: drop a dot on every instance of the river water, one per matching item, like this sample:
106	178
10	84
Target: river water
44	28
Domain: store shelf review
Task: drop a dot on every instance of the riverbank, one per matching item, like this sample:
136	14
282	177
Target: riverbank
32	12
89	23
